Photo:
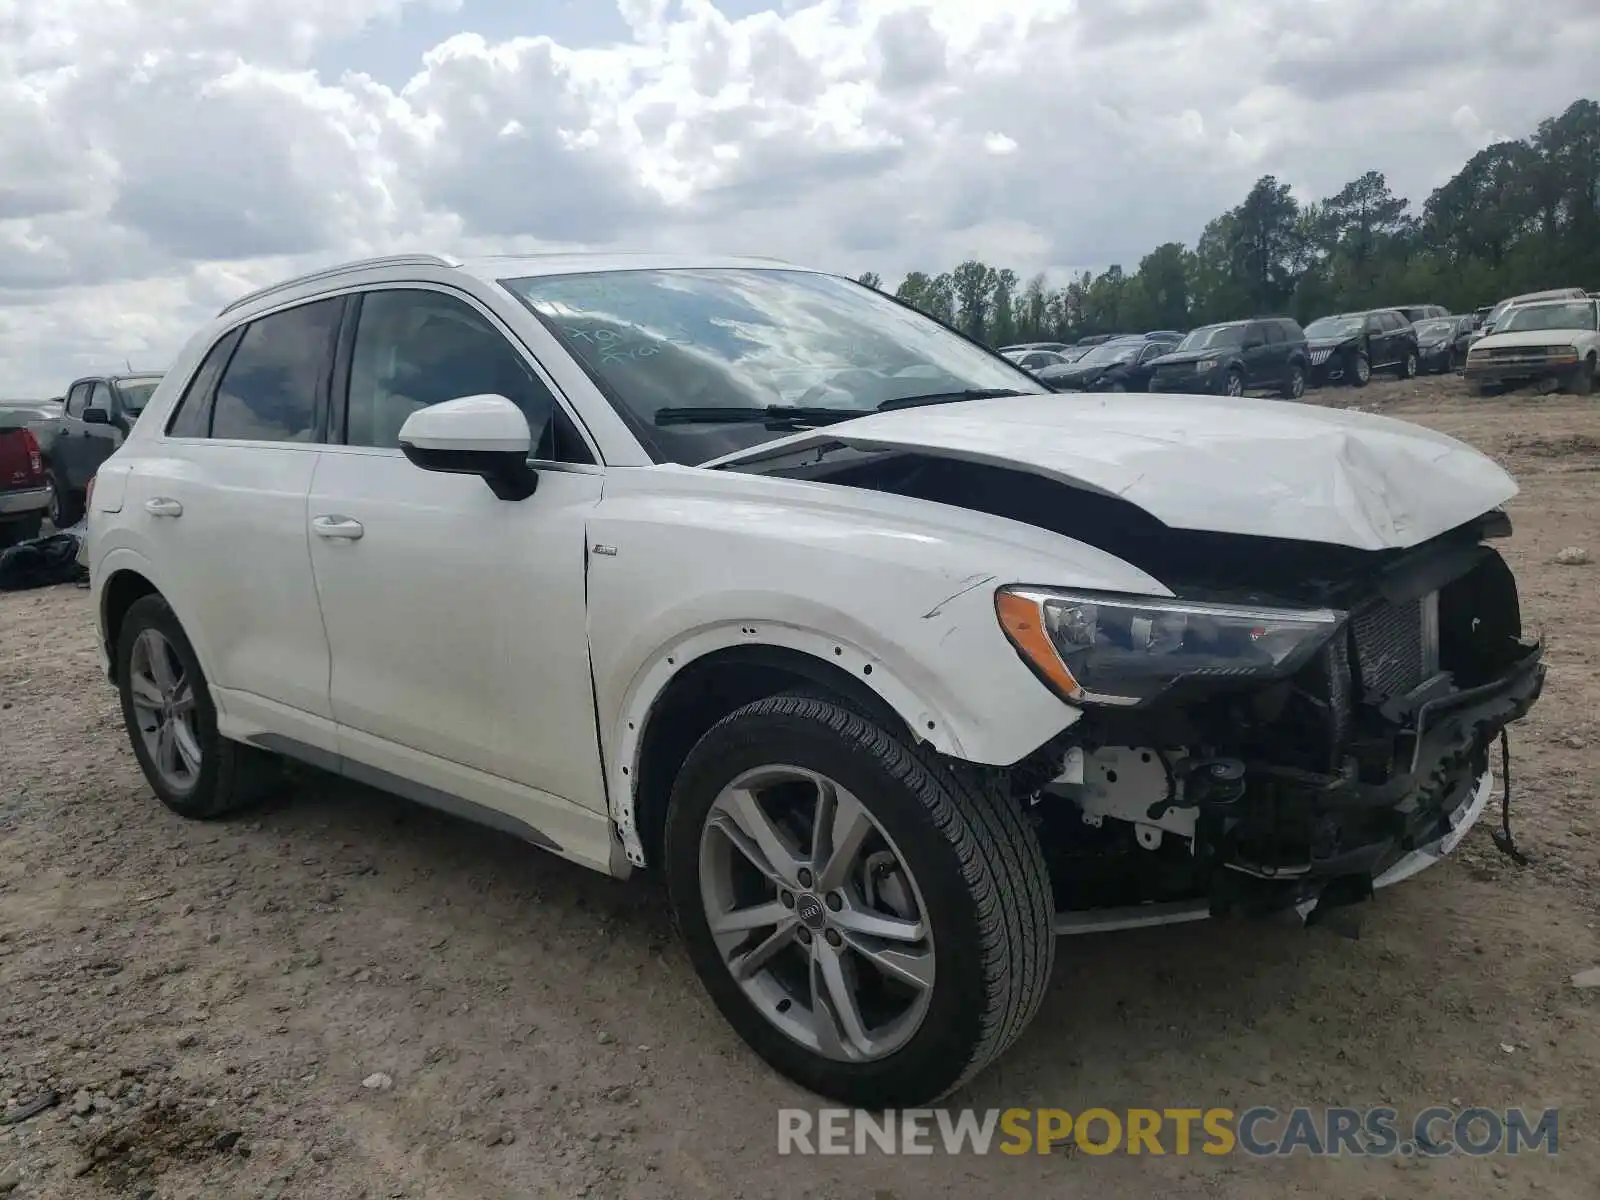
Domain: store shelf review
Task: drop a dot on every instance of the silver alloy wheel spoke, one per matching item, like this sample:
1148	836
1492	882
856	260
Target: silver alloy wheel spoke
842	828
827	961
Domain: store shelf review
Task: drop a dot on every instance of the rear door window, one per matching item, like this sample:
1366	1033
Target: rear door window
275	386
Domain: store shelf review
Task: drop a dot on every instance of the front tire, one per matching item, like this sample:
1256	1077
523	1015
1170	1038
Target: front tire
172	722
1296	387
1359	372
1582	381
885	960
1235	384
1408	365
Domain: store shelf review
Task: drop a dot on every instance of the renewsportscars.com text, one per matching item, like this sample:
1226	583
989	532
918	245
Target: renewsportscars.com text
1259	1131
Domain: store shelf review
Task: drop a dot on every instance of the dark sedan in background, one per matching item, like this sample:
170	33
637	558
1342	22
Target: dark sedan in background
1442	342
1123	365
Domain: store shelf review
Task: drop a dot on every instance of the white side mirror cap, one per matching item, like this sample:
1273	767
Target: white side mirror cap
474	424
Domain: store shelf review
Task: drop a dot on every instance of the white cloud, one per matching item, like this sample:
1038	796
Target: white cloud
158	158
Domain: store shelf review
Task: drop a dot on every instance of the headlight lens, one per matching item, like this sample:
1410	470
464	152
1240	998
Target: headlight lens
1206	364
1097	648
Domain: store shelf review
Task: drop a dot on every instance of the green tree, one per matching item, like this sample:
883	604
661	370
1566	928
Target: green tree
872	279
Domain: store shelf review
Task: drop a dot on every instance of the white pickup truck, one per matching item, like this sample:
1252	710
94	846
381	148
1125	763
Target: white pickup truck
1552	340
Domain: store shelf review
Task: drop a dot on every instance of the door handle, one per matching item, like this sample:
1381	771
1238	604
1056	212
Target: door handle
162	506
333	526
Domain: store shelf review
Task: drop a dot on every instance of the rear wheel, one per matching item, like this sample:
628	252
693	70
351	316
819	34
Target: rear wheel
1408	365
172	722
874	927
1296	387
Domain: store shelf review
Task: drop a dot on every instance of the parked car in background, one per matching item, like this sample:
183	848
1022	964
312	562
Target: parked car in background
1491	321
1236	357
1479	315
23	495
1096	339
889	690
1349	347
99	412
1123	365
1036	360
1421	312
1442	342
1550	340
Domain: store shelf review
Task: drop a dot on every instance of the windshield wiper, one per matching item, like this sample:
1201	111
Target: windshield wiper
949	397
773	416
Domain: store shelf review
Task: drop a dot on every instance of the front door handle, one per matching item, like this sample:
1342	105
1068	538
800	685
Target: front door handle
163	506
333	526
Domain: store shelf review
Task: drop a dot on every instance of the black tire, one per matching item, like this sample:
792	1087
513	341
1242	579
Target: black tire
1235	384
232	776
1408	365
1488	389
1582	381
13	532
982	874
66	506
1296	387
1359	371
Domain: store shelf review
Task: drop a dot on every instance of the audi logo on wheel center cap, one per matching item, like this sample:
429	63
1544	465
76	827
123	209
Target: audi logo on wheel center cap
809	909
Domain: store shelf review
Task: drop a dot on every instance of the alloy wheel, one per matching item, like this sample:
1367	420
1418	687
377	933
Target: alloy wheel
815	913
164	710
1235	385
1363	370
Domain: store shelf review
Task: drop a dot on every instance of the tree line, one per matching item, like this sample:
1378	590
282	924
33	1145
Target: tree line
1519	216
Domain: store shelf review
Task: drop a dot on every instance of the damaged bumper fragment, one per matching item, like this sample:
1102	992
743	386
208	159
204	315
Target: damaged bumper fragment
1364	765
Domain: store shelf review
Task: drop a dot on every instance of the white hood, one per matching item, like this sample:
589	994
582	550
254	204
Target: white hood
1532	337
1266	468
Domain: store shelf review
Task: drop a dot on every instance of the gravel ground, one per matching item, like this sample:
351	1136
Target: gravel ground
341	995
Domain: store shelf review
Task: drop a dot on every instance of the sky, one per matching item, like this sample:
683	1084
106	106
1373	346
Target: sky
159	157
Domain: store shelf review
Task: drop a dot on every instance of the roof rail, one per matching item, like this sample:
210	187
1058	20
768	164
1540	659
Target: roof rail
388	260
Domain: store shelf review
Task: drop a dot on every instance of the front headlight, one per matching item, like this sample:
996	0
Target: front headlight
1205	364
1097	648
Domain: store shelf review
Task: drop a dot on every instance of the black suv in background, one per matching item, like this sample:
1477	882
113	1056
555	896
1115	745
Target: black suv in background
1349	347
99	412
1261	354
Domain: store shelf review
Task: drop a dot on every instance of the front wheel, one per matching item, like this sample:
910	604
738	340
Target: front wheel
1360	370
1582	381
1296	387
874	927
172	722
1235	385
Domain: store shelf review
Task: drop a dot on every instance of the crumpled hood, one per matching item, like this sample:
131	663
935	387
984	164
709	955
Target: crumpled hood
1264	468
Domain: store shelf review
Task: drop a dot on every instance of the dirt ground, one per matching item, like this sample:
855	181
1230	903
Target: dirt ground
207	1000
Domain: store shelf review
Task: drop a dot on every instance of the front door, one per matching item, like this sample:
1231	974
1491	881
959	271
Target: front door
456	620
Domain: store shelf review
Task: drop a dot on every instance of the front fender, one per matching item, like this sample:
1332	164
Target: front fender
898	592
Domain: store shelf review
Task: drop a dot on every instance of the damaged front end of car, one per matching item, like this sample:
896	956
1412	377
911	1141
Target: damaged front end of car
1242	756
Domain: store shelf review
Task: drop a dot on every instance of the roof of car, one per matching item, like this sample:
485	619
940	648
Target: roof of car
512	266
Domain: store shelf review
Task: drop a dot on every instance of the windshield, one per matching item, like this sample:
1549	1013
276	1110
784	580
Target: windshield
1109	353
749	338
1334	327
136	393
1576	314
1212	337
1437	327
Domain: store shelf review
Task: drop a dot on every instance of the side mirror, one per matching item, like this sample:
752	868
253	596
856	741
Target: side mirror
96	416
485	436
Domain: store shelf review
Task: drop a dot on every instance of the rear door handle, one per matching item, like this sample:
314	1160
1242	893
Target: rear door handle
332	526
162	506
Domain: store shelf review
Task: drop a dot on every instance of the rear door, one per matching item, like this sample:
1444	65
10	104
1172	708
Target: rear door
223	505
1277	357
1257	356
